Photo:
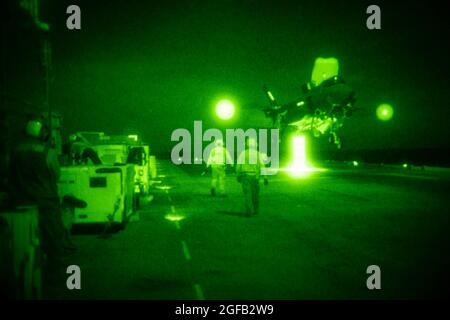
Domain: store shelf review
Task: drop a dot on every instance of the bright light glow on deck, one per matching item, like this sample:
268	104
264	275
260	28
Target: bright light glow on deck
300	167
174	217
298	154
163	187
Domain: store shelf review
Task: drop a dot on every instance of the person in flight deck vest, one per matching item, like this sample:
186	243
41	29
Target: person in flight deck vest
218	159
248	171
34	176
79	152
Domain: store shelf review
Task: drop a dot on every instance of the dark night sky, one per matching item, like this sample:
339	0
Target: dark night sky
156	66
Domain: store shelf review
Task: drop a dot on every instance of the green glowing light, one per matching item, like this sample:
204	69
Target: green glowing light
355	163
43	26
270	95
385	112
164	187
174	217
405	165
133	137
299	154
225	109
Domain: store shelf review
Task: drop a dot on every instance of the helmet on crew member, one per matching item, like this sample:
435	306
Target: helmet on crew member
37	127
73	138
218	142
33	128
251	143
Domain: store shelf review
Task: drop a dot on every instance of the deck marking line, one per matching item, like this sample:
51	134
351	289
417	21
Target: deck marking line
199	292
185	250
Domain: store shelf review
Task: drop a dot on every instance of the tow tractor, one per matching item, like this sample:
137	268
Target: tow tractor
112	189
124	149
107	190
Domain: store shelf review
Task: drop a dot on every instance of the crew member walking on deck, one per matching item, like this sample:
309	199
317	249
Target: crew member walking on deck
248	170
218	160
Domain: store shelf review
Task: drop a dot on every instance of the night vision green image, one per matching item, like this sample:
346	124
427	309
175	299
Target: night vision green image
224	150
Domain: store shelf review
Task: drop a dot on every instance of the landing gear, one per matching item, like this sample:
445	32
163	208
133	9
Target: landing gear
334	139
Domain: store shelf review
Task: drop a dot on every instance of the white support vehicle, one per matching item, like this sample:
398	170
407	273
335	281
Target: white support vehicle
107	190
121	149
